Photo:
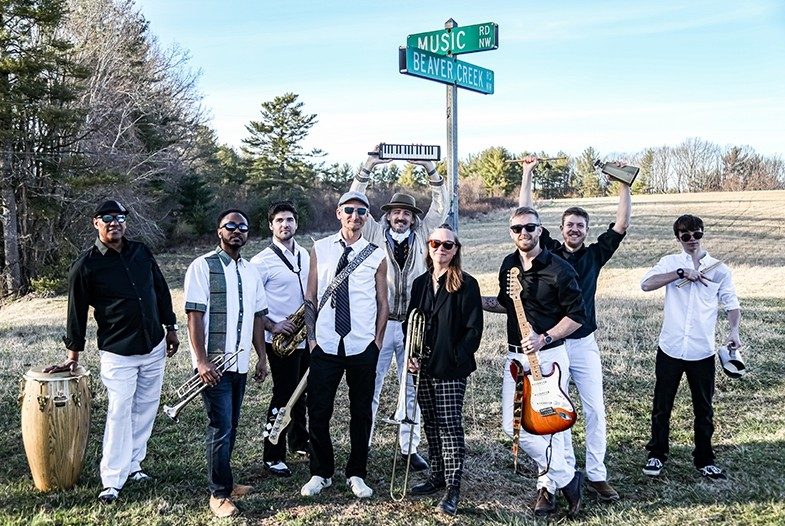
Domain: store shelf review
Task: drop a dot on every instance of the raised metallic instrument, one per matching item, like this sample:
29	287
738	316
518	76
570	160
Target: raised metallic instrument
408	152
194	385
284	345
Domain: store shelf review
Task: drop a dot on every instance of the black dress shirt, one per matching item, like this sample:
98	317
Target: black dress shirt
550	292
453	325
587	262
128	293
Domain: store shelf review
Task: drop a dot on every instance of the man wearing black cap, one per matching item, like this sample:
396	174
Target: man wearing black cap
132	304
405	237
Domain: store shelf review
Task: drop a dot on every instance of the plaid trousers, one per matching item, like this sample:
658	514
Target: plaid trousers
441	406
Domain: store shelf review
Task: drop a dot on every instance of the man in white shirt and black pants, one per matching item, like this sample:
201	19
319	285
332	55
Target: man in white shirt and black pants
344	336
686	344
283	269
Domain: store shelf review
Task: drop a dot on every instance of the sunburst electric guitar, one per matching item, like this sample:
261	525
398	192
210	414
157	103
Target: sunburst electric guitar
544	409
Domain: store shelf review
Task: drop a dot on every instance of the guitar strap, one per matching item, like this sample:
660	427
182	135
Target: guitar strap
348	269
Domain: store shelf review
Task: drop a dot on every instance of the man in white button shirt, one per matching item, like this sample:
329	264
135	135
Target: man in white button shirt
283	269
686	345
226	305
344	337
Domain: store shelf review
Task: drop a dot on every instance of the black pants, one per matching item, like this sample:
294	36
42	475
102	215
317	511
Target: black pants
441	405
287	372
223	411
323	380
700	378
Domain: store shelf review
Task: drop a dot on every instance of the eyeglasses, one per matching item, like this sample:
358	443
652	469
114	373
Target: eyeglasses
349	210
448	245
231	226
529	227
686	236
108	218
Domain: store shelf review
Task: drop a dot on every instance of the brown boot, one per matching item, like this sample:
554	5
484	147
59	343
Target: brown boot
240	490
223	507
604	491
545	503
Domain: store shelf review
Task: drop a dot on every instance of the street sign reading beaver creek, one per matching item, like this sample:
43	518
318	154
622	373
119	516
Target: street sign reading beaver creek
444	69
458	40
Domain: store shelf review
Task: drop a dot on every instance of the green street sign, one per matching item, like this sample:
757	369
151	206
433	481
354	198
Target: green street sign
446	70
458	40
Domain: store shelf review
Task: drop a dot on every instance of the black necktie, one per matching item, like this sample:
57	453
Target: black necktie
343	318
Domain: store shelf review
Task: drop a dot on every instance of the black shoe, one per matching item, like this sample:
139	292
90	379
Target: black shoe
572	492
278	469
429	487
418	464
545	504
449	503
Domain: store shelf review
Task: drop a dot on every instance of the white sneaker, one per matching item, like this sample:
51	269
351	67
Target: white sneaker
108	495
361	491
315	486
140	476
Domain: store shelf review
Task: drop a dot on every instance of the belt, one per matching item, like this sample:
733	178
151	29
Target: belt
519	349
395	317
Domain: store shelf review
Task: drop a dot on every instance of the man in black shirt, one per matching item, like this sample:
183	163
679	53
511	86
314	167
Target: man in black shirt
554	308
582	349
122	282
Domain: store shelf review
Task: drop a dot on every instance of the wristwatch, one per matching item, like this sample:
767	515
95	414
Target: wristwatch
680	273
172	328
548	338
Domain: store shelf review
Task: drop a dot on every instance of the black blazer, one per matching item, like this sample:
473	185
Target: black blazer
454	325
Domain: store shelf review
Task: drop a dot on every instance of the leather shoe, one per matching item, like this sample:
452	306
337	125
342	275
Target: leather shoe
430	486
418	464
449	503
222	507
604	491
572	492
241	490
545	504
278	469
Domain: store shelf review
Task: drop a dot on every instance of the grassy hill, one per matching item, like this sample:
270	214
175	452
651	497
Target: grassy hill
742	229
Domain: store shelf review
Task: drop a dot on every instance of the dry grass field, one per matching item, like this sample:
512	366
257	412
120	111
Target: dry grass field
743	229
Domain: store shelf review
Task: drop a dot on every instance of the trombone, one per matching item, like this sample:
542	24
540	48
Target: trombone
194	385
415	345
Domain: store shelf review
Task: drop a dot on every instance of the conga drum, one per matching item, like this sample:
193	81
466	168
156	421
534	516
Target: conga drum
55	425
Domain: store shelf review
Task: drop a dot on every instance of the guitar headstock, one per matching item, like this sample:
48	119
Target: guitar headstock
514	288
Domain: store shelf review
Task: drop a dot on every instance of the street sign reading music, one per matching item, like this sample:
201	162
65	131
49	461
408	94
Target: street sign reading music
458	40
444	69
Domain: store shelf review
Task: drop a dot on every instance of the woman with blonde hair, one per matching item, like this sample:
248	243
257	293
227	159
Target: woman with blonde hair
451	302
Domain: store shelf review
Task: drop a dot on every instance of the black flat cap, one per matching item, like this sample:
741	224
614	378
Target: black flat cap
110	207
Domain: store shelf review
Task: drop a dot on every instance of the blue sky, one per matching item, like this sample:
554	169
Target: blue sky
618	76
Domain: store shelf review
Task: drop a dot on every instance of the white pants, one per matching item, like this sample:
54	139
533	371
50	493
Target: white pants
393	344
586	372
133	388
560	472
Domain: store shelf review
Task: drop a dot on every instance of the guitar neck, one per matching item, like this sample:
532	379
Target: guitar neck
526	330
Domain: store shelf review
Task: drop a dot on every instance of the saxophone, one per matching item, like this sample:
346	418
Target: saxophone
284	345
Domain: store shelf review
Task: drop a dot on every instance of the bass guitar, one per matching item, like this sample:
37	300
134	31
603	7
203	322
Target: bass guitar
544	407
281	417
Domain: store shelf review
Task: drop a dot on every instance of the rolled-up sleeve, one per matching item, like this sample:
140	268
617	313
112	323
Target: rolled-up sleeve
571	299
661	267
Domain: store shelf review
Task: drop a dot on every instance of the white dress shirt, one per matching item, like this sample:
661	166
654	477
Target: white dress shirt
239	322
284	295
690	312
362	295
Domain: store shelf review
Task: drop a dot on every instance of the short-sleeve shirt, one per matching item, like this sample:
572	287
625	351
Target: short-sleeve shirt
233	310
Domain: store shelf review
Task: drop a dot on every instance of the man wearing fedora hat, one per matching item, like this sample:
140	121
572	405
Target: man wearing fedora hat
405	236
132	305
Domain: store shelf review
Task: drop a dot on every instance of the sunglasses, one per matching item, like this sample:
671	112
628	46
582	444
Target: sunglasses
686	236
529	227
448	245
108	218
349	210
231	226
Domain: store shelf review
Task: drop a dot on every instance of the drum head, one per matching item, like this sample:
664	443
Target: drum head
37	373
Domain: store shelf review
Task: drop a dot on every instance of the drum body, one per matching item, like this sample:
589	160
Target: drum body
55	426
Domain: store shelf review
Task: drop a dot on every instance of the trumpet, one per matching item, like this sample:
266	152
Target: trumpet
194	385
284	345
415	347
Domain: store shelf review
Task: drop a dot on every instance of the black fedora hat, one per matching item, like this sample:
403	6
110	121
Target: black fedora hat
401	200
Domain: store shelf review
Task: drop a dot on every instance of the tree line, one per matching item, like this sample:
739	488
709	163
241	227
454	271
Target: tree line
92	106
